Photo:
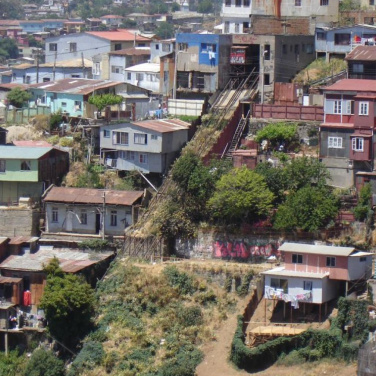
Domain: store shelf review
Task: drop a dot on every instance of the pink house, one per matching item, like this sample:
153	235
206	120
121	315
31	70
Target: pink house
316	273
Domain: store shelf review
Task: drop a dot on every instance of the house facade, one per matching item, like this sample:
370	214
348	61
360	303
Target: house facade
316	273
146	76
90	211
28	171
361	62
149	146
347	133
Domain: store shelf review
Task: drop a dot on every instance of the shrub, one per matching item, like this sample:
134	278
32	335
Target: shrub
44	363
244	287
190	316
91	355
180	280
95	244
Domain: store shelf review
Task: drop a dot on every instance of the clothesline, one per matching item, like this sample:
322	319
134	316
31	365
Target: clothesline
272	293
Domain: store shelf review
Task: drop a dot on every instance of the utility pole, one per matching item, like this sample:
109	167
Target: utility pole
103	213
83	64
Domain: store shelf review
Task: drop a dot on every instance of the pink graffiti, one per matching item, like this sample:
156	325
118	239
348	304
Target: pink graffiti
227	249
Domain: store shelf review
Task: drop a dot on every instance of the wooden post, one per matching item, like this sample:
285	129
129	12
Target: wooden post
347	288
284	310
326	308
6	333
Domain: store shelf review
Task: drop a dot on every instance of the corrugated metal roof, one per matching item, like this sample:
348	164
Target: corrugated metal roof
92	196
71	261
362	53
81	86
18	240
348	84
120	35
145	67
282	272
31	143
163	125
114	16
329	250
22	152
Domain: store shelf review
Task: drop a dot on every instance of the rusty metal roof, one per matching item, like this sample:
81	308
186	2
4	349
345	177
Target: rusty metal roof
74	85
71	261
362	53
18	240
349	84
163	125
92	196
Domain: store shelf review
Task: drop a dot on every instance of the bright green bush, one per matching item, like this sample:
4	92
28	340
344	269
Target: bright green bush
44	363
91	355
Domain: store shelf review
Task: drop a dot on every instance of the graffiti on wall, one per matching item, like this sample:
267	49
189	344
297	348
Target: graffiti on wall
242	250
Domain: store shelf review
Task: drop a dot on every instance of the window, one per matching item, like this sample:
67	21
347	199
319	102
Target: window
3	165
45	79
331	262
120	138
183	46
357	68
129	76
53	46
298	3
337	109
357	143
206	47
350	107
362	259
139	76
246	3
117	46
324	3
83	217
307	285
77	105
297	259
154	137
96	68
363	108
113	219
129	156
371	2
72	47
25	166
106	133
279	284
73	76
228	3
342	39
140	138
296	49
27	79
335	142
321	35
237	28
267	52
143	158
266	79
227	27
238	3
115	69
284	49
55	214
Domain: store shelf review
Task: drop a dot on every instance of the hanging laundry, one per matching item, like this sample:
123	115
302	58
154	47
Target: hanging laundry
27	298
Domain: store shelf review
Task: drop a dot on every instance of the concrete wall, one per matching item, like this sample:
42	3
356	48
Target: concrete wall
19	222
185	107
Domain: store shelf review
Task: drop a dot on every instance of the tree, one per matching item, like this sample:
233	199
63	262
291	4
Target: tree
10	47
11	9
101	101
363	207
165	30
44	363
309	209
205	6
17	97
68	303
240	195
175	7
277	134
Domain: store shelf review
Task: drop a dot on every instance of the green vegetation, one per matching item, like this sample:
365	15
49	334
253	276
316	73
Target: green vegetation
364	206
44	363
18	97
55	120
103	100
68	303
205	6
94	244
278	134
165	30
13	364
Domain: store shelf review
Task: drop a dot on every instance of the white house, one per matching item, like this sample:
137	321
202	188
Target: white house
146	75
149	146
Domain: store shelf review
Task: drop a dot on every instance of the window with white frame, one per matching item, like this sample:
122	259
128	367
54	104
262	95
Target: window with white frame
83	217
72	47
63	104
106	133
129	156
143	158
337	107
154	137
113	218
3	165
363	108
115	69
55	214
141	138
324	3
227	3
120	138
335	142
350	107
129	75
96	68
237	28
357	143
330	262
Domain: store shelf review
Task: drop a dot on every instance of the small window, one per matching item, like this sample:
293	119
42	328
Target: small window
237	28
297	49
72	47
55	214
335	142
143	158
363	108
141	138
357	68
324	3
227	26
157	46
77	105
358	143
337	107
371	2
3	165
115	69
246	3
238	3
183	46
83	217
25	166
106	133
342	39
309	49
139	76
362	259
129	156
154	137
350	107
227	3
117	46
63	104
129	76
113	219
321	35
266	79
298	3
53	47
45	79
331	262
267	52
307	285
284	49
297	259
120	138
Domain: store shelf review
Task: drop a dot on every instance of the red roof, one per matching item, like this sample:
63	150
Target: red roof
121	35
352	85
114	16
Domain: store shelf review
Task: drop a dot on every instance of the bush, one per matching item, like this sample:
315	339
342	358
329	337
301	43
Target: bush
44	363
180	280
94	244
91	355
190	316
244	287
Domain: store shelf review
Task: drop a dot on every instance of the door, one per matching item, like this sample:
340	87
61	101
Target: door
97	223
69	221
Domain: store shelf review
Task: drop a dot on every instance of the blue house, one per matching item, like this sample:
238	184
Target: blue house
36	26
202	62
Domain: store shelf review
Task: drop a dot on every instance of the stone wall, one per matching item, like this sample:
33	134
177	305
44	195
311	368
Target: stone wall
16	221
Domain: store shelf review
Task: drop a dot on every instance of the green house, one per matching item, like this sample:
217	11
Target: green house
27	171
